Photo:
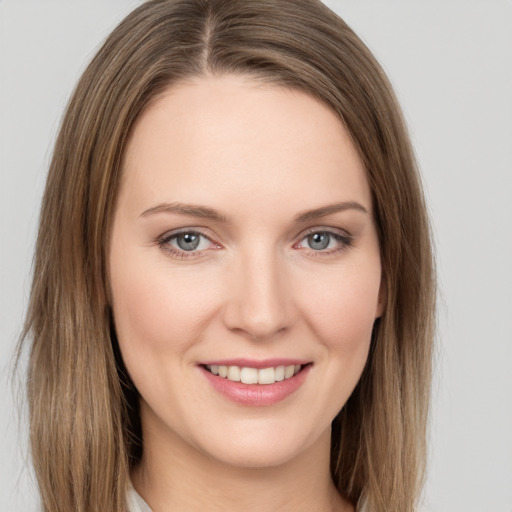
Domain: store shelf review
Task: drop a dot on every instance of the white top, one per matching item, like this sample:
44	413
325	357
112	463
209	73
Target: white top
135	502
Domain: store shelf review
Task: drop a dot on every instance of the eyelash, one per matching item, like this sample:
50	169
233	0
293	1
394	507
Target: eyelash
345	241
164	244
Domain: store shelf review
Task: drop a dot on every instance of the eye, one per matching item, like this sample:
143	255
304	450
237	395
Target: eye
186	243
325	241
319	241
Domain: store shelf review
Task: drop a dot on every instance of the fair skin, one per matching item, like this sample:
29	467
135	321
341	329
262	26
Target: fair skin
247	275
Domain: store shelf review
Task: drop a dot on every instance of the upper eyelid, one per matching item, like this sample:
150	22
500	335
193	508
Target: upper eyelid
199	231
325	229
175	232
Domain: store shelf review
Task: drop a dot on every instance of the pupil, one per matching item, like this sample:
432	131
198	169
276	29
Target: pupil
318	241
188	241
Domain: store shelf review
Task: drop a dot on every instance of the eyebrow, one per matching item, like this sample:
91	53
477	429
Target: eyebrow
203	212
328	210
192	210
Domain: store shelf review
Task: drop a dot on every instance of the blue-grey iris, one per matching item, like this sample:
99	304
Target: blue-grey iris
188	241
319	241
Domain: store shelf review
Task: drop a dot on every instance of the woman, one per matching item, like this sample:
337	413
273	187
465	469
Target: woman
233	292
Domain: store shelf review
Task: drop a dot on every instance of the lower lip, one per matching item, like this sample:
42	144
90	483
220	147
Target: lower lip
256	395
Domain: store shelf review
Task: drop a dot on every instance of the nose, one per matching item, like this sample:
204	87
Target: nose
260	302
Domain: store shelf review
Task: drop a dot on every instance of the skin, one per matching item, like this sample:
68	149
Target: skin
260	155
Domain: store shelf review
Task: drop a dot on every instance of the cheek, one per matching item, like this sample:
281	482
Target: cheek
156	309
342	307
339	307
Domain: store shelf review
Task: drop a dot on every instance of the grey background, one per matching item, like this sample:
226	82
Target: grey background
451	64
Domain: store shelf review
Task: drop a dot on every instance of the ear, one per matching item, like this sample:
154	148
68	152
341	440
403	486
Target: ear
382	299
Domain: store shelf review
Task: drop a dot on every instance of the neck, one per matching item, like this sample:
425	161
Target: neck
174	476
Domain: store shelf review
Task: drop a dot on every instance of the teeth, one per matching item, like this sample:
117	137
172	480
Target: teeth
289	371
234	373
253	375
248	375
266	376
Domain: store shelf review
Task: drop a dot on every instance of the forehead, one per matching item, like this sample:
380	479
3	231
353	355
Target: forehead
228	137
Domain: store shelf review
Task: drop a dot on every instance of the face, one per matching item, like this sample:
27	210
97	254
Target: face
243	244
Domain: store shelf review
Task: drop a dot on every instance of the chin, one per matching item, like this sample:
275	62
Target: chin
255	457
263	449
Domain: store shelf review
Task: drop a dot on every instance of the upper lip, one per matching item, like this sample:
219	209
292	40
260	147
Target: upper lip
253	363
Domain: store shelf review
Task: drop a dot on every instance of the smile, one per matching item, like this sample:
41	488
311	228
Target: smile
258	384
248	375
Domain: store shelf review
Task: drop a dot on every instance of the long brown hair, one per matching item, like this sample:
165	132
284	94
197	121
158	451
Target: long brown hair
84	425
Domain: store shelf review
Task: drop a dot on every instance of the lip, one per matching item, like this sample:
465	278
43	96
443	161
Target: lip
258	364
256	395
